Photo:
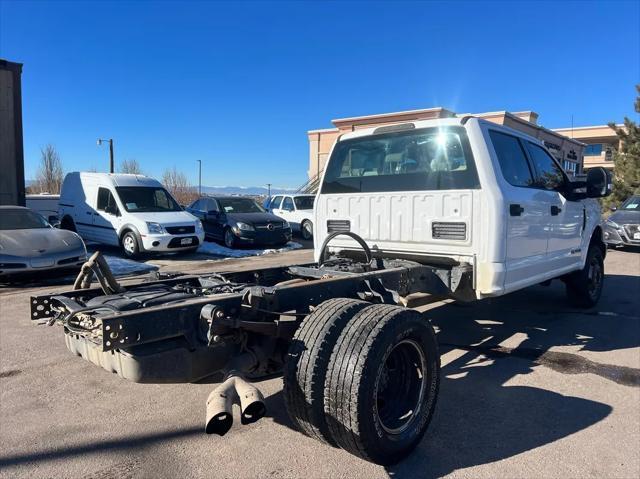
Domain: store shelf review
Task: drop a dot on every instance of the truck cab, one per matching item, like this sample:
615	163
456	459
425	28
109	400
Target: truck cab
459	191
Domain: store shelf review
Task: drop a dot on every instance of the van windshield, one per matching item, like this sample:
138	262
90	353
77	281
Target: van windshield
146	199
410	160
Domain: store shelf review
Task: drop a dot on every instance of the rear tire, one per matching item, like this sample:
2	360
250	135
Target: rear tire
382	383
307	362
584	287
130	245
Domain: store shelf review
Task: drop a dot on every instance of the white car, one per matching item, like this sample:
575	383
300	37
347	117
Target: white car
297	210
131	211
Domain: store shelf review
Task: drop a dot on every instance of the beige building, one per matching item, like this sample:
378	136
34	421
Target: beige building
566	149
601	143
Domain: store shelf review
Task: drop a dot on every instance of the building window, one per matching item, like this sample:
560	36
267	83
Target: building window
593	150
569	166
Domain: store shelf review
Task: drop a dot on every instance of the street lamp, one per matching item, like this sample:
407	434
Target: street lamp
199	177
100	141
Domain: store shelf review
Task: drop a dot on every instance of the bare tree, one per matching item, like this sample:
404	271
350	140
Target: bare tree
49	176
178	185
131	166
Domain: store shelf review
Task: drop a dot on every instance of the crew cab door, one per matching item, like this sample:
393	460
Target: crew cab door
527	213
565	217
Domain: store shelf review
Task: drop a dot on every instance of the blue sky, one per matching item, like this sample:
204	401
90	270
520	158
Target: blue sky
237	85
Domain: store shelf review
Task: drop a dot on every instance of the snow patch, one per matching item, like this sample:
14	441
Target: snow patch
215	249
123	267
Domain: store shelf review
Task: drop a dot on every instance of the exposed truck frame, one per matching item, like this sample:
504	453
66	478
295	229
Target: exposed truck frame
182	328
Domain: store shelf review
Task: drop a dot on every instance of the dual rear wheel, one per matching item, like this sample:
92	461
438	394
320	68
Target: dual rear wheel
363	377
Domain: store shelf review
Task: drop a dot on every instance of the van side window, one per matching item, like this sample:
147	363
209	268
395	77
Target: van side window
106	201
548	174
512	159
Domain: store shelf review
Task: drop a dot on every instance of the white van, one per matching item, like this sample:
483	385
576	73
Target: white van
45	204
132	211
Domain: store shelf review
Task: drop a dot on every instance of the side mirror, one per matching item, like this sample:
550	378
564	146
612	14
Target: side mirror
112	210
598	182
614	208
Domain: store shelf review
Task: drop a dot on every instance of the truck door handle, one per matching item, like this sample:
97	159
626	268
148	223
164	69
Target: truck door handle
88	212
555	210
515	210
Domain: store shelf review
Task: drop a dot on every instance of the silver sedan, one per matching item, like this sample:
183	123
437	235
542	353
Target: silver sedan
29	244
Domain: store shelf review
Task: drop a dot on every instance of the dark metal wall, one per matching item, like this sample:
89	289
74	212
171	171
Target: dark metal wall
11	146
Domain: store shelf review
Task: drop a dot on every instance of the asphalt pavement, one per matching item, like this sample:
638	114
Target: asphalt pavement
531	387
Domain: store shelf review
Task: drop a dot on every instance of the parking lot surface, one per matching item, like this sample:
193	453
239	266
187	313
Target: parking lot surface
531	387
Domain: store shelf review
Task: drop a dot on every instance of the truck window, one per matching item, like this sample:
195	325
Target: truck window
548	174
275	202
287	204
512	158
414	160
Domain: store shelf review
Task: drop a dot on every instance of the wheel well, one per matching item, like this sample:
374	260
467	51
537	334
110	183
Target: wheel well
128	229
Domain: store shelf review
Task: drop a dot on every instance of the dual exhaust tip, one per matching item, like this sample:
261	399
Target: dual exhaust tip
234	390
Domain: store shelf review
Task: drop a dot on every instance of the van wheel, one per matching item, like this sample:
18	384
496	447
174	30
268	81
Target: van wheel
305	367
382	383
229	239
130	245
306	229
584	287
68	224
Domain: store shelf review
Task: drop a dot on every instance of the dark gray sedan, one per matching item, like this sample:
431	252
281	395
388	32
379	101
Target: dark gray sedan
622	228
29	244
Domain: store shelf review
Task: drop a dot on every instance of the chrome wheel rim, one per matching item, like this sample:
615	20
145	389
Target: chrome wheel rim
228	239
400	387
129	244
594	278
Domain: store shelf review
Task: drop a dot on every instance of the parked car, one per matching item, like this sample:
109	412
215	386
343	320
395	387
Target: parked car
297	210
29	244
240	221
622	228
131	211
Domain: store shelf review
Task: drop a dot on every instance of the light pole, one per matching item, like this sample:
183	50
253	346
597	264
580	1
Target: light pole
199	177
100	141
269	190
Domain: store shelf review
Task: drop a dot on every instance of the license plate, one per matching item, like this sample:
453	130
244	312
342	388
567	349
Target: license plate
41	262
636	235
185	241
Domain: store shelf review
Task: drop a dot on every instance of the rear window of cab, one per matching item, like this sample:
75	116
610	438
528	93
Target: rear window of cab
436	158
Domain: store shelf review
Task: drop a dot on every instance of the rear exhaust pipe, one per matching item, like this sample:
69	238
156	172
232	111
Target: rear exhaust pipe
251	401
219	417
234	390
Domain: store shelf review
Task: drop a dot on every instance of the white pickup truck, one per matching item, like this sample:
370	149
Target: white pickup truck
413	212
466	191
